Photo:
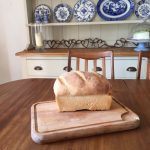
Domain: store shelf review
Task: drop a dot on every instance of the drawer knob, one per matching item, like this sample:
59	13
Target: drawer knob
98	69
131	69
66	68
38	68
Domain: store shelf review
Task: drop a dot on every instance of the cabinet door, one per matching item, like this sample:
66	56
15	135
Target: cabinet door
126	68
43	67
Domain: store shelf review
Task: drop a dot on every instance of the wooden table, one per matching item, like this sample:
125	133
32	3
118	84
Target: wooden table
17	97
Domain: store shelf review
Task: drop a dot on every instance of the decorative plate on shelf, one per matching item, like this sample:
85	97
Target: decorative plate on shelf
63	13
42	14
84	10
142	9
113	10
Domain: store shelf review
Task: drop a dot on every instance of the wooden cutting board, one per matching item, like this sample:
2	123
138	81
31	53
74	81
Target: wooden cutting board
50	125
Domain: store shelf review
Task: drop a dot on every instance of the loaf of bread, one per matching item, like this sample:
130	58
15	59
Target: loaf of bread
82	90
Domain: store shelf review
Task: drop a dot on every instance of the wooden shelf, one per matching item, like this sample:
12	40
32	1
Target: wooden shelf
88	23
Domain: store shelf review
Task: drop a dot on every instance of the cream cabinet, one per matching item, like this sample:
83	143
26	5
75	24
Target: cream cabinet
52	67
109	31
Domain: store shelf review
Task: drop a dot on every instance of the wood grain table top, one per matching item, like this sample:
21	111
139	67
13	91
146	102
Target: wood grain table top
17	97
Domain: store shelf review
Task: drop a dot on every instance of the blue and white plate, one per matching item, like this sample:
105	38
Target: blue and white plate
84	10
63	13
42	14
112	10
142	9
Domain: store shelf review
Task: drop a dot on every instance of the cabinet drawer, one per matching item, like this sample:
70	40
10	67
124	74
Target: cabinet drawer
46	67
127	68
53	67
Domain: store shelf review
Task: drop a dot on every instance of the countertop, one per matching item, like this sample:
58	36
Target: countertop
118	52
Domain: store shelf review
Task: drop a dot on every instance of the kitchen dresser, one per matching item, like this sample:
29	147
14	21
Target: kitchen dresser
51	62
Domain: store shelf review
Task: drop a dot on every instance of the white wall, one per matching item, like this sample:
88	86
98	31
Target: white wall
13	38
